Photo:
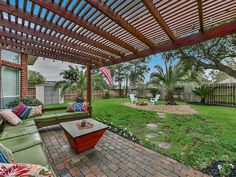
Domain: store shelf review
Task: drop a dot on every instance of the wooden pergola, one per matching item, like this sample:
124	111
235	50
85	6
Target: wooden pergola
105	32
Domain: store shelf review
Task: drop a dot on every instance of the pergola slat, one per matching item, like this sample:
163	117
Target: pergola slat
53	53
220	31
37	20
81	22
11	25
103	8
28	40
156	14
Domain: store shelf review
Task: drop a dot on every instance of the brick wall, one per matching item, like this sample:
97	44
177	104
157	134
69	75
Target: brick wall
23	85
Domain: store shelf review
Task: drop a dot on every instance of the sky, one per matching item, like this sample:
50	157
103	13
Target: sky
51	70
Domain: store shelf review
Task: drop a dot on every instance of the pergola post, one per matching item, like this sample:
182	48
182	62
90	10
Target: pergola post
89	85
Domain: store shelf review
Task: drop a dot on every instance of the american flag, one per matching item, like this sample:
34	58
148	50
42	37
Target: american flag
107	73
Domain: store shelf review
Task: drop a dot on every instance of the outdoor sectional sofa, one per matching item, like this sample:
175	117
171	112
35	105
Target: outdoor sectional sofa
25	141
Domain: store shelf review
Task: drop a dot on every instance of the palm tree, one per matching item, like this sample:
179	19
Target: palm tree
202	91
75	80
168	76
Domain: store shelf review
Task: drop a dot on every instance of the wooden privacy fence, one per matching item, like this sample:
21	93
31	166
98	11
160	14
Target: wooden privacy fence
71	95
222	94
32	92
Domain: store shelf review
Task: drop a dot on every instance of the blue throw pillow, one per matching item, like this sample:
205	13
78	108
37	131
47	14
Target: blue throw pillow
78	106
6	155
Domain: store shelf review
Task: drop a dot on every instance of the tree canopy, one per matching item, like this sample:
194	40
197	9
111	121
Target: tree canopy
35	78
218	54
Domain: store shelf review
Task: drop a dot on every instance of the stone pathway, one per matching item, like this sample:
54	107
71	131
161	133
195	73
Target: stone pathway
152	126
114	156
151	135
163	145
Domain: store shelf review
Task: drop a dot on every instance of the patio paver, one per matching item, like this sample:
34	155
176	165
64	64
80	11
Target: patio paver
113	156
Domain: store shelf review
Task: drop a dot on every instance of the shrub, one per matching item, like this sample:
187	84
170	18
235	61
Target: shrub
106	95
29	101
226	169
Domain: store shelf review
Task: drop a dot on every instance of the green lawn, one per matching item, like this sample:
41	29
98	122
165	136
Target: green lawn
196	140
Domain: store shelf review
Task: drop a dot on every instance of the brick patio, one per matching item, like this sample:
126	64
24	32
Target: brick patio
113	156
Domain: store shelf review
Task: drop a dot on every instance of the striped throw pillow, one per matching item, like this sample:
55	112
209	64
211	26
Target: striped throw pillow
20	108
26	112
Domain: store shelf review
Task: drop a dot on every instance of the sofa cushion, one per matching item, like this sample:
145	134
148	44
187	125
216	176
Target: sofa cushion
32	155
23	124
18	132
45	118
22	142
68	115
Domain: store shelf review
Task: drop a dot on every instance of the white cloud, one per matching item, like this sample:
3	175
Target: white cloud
49	69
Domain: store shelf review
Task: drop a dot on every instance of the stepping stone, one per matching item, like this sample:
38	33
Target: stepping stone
161	115
161	133
151	126
151	135
163	145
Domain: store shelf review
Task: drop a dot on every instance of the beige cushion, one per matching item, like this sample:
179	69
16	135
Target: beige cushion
36	111
10	117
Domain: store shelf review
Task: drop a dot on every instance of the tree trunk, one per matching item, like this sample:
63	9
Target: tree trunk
203	99
120	91
126	87
169	98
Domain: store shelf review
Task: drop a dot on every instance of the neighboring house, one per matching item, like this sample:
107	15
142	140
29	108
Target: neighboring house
229	80
13	77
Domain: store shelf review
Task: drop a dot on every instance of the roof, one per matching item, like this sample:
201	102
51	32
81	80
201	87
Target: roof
104	32
229	80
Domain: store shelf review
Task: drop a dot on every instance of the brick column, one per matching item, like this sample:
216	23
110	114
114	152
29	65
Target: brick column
23	85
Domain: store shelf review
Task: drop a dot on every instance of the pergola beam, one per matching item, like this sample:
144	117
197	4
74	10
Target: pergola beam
37	20
156	14
83	23
200	14
220	31
103	8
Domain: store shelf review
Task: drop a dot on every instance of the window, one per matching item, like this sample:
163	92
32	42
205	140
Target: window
10	56
10	84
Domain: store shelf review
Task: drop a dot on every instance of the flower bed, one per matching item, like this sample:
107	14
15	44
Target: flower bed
120	131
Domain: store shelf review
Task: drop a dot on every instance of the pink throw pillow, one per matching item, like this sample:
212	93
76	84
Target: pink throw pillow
85	106
10	117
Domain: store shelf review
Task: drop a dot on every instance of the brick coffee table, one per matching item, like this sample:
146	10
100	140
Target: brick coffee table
82	139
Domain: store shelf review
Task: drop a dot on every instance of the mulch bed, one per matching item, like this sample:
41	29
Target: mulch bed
213	170
174	109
